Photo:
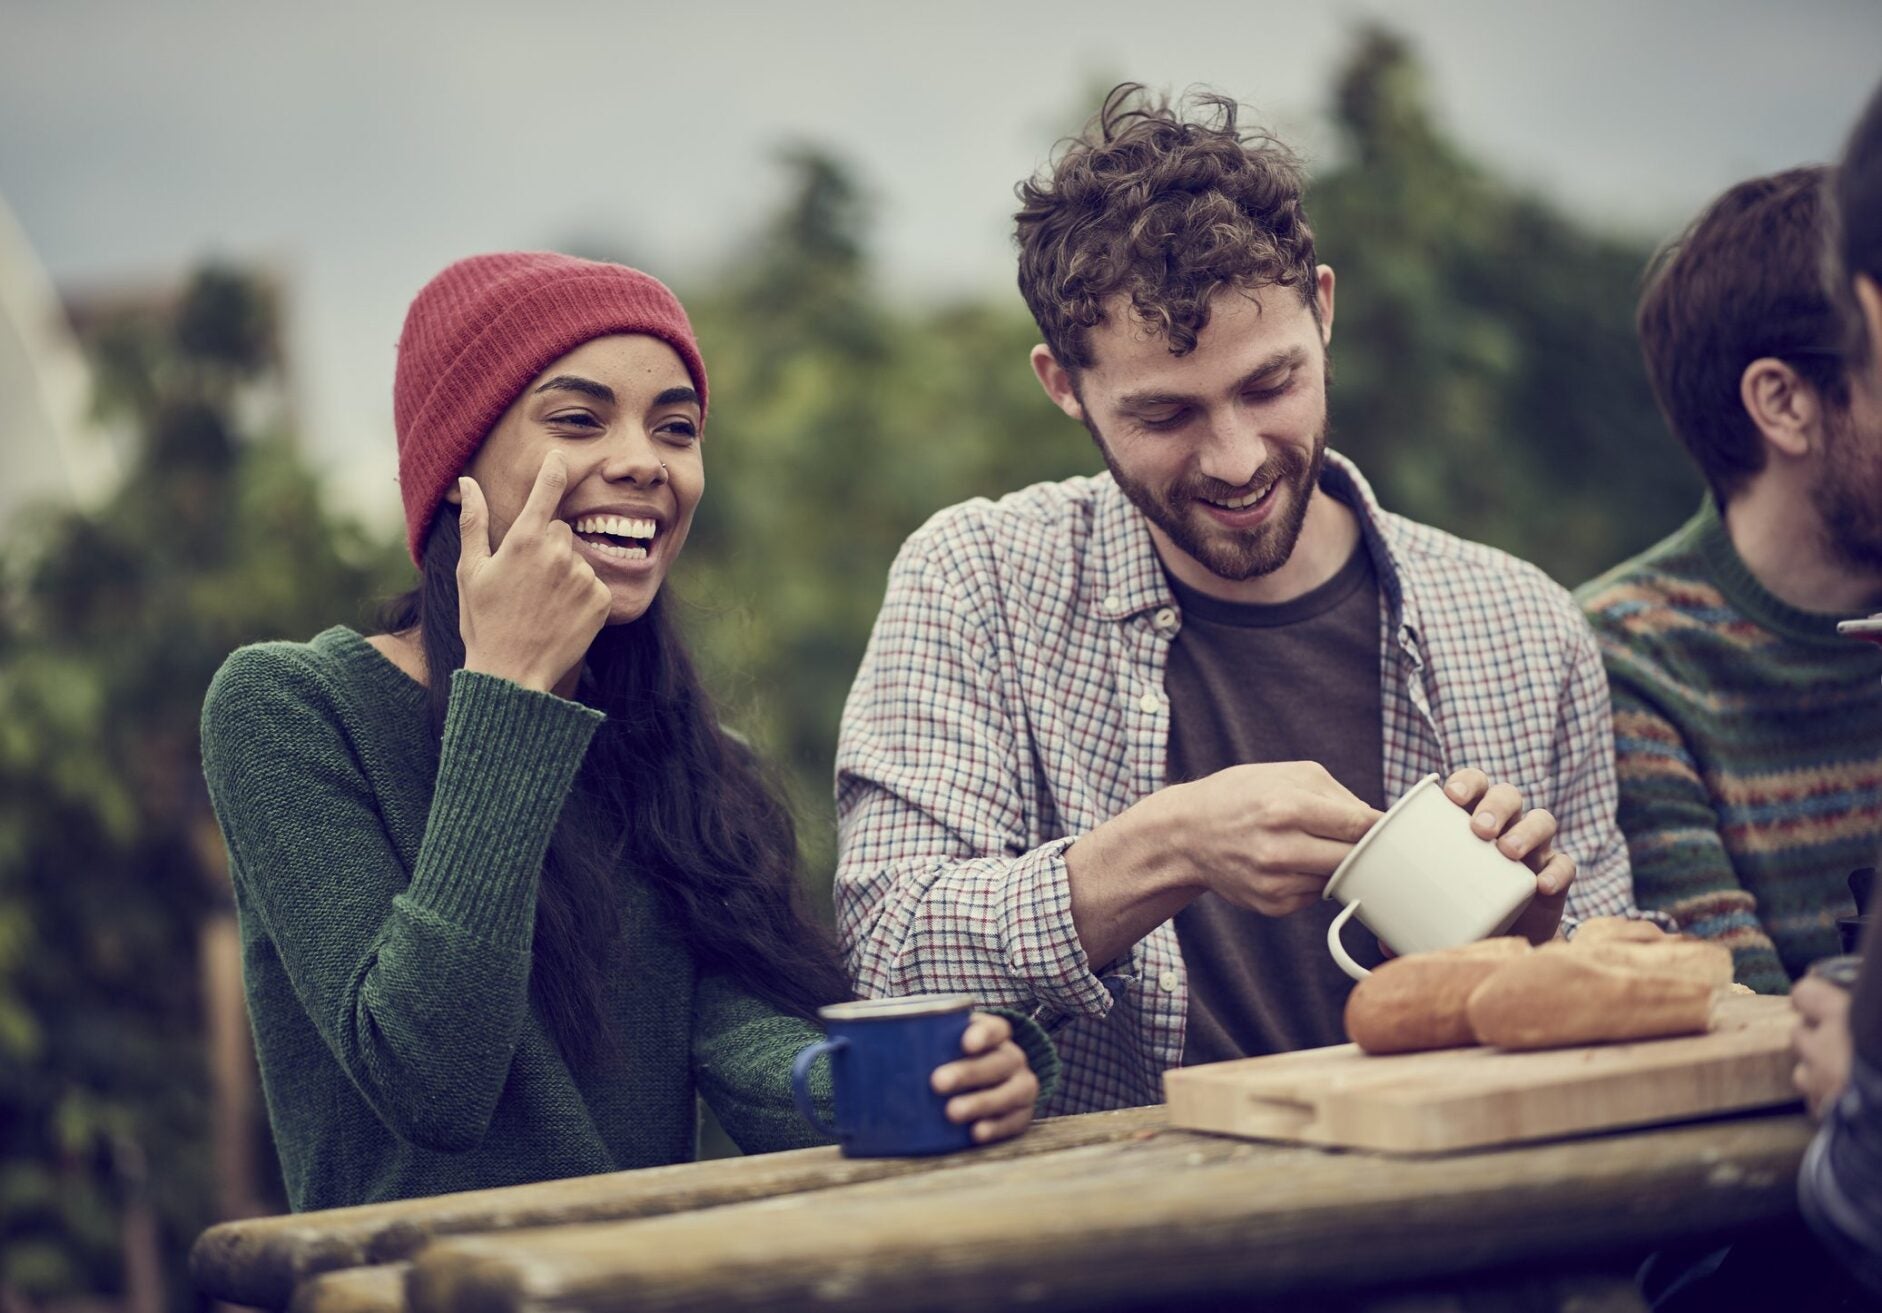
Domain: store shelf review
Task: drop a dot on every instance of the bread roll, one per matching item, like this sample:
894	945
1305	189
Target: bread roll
1697	960
1414	1003
1501	949
1605	929
1550	1000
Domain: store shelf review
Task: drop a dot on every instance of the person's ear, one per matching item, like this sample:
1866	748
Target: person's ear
1785	408
452	495
1323	300
1057	381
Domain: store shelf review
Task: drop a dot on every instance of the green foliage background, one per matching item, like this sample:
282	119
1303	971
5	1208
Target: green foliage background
1486	380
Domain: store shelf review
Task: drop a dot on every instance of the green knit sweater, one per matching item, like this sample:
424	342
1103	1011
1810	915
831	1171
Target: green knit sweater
1748	738
386	888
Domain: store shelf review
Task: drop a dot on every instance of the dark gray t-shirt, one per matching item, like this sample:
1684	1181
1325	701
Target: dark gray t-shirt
1298	681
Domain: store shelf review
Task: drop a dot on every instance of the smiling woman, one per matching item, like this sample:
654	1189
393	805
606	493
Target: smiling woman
622	417
509	894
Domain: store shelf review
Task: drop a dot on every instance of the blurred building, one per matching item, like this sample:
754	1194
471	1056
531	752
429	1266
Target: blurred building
56	447
51	450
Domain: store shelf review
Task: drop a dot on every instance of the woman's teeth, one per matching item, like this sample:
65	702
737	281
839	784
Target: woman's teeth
605	534
617	552
618	525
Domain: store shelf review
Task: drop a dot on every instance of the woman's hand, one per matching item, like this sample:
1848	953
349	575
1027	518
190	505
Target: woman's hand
1497	814
993	1087
529	608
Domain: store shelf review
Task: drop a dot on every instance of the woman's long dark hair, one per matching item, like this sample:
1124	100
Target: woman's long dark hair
665	796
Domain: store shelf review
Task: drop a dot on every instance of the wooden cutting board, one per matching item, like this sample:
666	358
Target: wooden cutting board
1472	1098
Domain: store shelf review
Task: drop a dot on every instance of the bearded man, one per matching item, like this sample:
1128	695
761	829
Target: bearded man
1112	735
1748	733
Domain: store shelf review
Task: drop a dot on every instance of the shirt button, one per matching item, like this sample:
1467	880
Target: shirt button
1166	618
1167	981
1151	703
1111	605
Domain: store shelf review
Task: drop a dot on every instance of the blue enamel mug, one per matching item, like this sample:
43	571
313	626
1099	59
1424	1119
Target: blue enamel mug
883	1052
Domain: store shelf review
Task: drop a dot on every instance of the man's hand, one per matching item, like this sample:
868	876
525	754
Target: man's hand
1497	815
1263	836
1820	1039
1270	835
993	1086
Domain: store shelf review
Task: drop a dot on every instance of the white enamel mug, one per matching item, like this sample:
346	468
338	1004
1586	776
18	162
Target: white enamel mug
1422	879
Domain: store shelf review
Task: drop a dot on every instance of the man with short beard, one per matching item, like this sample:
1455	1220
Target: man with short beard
1112	735
1749	734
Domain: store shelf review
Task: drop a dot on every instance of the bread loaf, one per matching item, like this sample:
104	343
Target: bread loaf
1500	949
1415	1003
1698	960
1605	929
1554	999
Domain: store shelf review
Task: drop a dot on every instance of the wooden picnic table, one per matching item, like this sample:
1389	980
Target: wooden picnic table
1110	1210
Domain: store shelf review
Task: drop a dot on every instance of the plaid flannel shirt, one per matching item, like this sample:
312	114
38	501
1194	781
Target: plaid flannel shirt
1012	699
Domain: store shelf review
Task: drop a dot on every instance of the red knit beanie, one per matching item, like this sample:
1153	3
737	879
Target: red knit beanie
481	330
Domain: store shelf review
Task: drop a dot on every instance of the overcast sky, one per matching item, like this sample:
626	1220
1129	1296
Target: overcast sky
363	146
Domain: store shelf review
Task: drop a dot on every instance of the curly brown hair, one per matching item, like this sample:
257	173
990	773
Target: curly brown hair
1167	204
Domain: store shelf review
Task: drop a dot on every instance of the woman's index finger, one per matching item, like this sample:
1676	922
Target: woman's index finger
544	495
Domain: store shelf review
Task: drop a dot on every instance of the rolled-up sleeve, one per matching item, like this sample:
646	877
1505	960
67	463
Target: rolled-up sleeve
940	885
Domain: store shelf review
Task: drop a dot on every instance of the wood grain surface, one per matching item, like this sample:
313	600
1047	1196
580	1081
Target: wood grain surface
376	1289
1161	1216
259	1261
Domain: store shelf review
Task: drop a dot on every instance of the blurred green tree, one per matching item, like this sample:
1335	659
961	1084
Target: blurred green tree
839	423
1487	378
114	905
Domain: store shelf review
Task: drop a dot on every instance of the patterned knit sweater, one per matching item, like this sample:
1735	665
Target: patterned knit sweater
386	888
1748	737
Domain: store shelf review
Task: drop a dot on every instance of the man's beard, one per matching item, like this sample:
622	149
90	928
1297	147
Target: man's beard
1227	554
1847	494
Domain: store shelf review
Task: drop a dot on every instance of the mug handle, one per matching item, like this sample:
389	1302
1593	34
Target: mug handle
1334	946
800	1081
